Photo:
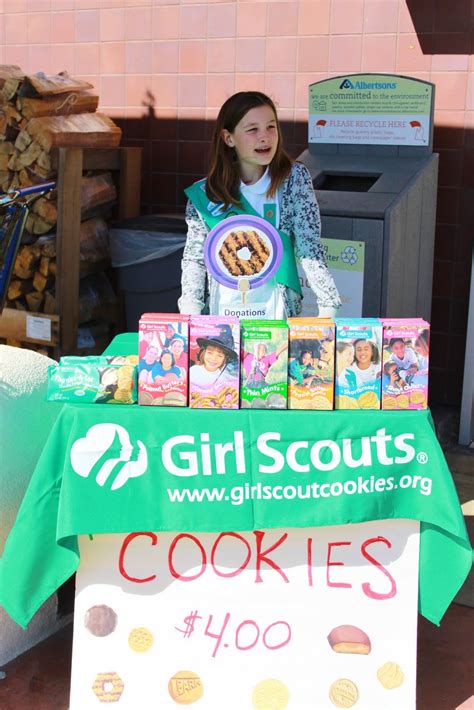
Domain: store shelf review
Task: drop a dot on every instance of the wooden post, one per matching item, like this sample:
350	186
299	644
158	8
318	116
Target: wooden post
130	182
68	252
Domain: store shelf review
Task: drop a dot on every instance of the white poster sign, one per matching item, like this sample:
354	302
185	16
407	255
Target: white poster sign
345	260
372	109
265	620
38	328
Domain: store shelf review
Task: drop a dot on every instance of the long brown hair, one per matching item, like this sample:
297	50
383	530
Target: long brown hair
223	179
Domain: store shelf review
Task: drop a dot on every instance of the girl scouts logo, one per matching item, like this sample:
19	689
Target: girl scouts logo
107	452
243	252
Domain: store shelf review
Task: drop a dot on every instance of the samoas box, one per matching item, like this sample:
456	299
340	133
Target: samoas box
163	359
358	363
311	363
214	346
405	363
264	364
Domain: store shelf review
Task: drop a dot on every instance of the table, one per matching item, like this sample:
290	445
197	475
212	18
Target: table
128	468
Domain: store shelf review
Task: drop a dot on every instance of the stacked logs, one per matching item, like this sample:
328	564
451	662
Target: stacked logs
32	285
38	114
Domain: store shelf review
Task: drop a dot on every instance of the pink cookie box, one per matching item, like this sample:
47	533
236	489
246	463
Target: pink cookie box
214	346
405	363
163	359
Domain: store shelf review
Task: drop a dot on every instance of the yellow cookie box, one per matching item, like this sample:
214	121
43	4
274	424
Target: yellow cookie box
311	363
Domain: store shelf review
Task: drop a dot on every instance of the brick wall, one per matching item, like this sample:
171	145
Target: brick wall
164	67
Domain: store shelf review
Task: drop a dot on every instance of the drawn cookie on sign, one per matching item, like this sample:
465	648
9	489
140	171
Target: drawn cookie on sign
100	620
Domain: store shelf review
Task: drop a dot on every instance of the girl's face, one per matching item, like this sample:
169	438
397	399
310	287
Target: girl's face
421	347
262	351
213	358
255	139
363	354
151	355
398	349
306	359
177	347
166	361
326	351
347	356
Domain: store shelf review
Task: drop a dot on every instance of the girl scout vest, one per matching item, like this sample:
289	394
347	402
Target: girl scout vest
264	301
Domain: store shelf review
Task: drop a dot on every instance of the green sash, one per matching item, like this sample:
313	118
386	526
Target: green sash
287	273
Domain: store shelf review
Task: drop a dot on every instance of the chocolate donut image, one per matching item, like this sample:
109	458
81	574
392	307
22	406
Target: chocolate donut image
237	266
349	639
100	620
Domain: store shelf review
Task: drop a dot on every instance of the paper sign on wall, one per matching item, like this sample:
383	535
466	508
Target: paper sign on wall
345	260
280	619
372	109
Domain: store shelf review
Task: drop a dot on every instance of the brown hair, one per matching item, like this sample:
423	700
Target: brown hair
223	179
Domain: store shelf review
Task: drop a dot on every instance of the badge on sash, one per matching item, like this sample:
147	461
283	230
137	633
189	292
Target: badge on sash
243	252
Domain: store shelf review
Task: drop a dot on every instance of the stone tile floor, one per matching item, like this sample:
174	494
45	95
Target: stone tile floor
39	679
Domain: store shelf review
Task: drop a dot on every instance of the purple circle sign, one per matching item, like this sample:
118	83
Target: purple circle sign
243	247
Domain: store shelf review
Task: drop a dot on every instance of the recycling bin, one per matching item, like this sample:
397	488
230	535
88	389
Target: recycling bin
375	178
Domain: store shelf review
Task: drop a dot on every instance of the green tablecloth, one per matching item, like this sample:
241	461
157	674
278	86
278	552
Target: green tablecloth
108	469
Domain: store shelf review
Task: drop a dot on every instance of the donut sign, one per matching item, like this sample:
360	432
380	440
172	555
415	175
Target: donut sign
243	249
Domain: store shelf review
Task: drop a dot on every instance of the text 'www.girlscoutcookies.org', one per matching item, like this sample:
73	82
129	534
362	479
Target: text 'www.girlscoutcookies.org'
237	495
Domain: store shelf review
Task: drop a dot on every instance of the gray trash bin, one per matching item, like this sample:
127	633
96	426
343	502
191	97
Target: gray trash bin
146	253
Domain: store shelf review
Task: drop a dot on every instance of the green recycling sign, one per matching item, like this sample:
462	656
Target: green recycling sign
345	260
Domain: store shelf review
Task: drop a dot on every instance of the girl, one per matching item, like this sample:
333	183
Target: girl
345	356
301	371
250	172
325	360
257	364
405	359
178	348
165	367
147	364
391	378
422	349
366	366
213	368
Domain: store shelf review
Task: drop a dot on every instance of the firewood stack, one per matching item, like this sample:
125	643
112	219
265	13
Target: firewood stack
38	114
